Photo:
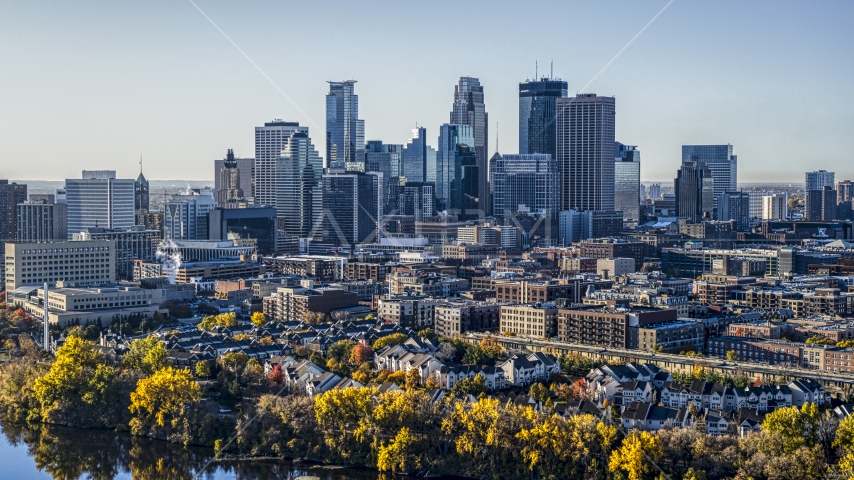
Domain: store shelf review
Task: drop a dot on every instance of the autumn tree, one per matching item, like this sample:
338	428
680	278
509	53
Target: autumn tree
258	319
203	369
341	350
77	375
361	353
433	381
538	392
427	333
222	320
471	386
242	337
233	361
732	355
276	375
636	454
398	378
389	340
162	397
145	354
413	378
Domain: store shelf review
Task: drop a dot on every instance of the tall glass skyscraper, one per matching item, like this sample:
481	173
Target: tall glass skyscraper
99	199
419	159
585	151
454	140
299	170
627	182
525	182
695	192
537	99
720	160
352	207
269	142
386	159
345	133
470	110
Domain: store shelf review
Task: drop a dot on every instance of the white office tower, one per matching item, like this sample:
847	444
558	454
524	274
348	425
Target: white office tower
819	179
776	206
185	217
270	140
99	199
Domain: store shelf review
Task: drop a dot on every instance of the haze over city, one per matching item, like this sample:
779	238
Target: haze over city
95	85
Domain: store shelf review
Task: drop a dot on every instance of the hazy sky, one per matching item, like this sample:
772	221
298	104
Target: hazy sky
90	85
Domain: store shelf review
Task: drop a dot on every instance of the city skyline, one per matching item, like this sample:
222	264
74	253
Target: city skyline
121	107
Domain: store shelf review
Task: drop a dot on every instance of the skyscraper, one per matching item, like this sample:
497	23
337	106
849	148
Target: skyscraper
417	199
345	133
455	145
185	217
240	170
525	182
227	191
352	207
299	170
11	194
820	205
627	182
819	179
585	151
388	160
141	199
845	200
42	221
720	160
695	191
270	140
775	206
419	159
99	199
655	191
470	110
735	206
537	100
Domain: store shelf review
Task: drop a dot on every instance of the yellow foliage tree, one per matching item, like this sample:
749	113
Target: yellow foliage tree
146	355
241	337
413	378
398	455
222	320
258	319
164	394
634	455
78	373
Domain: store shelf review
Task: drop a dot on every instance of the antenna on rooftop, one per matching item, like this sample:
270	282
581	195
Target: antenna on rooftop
536	71
552	72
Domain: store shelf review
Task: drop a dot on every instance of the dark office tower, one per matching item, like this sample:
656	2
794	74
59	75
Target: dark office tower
845	200
720	160
820	205
11	194
417	199
42	221
585	151
243	169
627	186
419	159
537	100
228	192
345	133
299	172
388	160
470	110
735	206
270	140
524	183
253	225
695	192
455	141
352	207
141	199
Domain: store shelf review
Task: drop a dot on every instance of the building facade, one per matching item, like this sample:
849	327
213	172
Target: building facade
79	263
627	184
99	199
695	192
469	109
185	217
345	133
720	160
528	182
537	110
299	172
270	141
39	221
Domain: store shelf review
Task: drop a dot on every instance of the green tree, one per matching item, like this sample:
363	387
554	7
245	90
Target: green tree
145	354
341	350
203	369
428	333
471	386
390	340
732	355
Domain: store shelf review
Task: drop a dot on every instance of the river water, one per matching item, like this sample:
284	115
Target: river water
54	452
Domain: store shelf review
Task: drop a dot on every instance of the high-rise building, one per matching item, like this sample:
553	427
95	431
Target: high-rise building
469	109
99	199
453	164
254	226
352	206
627	182
417	199
735	206
818	179
845	200
720	160
419	159
129	245
585	148
270	140
537	100
82	263
775	206
820	205
185	217
655	191
525	182
388	160
756	197
141	197
695	192
345	133
40	221
11	194
233	180
299	170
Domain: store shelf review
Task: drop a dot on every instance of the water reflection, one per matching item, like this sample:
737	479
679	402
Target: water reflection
69	454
